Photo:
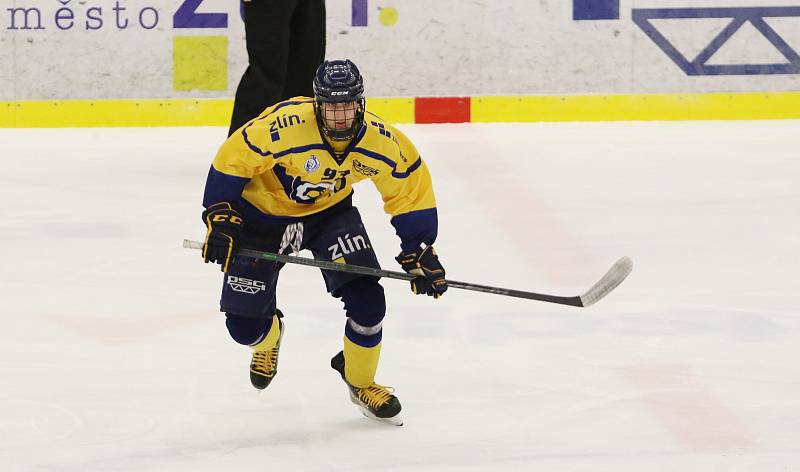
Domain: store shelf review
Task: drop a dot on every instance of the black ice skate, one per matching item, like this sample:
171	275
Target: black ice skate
376	401
264	364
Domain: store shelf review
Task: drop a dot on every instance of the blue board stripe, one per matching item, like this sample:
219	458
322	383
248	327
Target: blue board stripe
595	9
359	12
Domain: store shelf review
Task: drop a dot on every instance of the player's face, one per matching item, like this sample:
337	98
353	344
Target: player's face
339	116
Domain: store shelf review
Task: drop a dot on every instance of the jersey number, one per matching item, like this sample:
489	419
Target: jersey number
308	192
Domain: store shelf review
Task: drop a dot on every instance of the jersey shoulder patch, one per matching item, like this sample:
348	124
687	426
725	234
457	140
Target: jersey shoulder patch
364	169
382	128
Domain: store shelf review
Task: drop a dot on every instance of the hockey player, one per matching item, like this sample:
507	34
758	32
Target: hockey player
283	182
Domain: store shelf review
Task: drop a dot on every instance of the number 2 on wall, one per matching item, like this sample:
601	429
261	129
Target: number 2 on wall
187	17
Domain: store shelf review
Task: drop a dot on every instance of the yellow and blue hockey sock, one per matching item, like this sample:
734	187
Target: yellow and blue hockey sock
365	305
270	339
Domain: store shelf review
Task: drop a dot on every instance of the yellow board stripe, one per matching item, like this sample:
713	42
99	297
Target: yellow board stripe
7	112
488	109
699	106
393	110
112	113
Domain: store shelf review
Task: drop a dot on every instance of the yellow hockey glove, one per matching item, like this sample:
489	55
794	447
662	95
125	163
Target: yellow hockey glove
224	225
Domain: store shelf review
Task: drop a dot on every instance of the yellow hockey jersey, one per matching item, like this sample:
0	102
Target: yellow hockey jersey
279	167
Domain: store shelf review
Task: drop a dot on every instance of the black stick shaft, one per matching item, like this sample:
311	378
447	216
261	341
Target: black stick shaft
355	269
615	275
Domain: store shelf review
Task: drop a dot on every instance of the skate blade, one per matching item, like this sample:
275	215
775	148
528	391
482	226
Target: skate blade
396	420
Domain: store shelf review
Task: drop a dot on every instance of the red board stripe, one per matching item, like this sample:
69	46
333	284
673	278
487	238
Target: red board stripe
442	110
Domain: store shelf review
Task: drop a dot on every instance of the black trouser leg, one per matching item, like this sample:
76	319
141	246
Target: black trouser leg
307	47
268	33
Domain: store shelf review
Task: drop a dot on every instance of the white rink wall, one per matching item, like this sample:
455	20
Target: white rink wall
102	49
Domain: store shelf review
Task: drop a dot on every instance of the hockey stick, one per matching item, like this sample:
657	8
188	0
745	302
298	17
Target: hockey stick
615	275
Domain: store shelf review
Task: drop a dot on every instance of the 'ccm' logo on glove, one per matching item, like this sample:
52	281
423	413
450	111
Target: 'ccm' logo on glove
232	218
224	225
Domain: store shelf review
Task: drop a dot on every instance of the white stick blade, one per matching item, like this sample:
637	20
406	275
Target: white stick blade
189	244
615	275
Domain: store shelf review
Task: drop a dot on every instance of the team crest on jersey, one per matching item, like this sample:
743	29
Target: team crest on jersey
312	164
364	169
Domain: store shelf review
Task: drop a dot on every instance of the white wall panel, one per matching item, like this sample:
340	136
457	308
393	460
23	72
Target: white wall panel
444	47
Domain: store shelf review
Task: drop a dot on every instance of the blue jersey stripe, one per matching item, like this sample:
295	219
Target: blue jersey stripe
375	155
411	168
252	146
389	162
299	149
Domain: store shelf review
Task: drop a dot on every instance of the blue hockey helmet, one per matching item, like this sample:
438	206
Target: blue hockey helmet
339	82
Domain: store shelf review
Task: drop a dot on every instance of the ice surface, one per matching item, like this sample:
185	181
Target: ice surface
113	356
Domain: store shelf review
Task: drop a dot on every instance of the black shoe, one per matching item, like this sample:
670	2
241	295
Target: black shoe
264	364
375	401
